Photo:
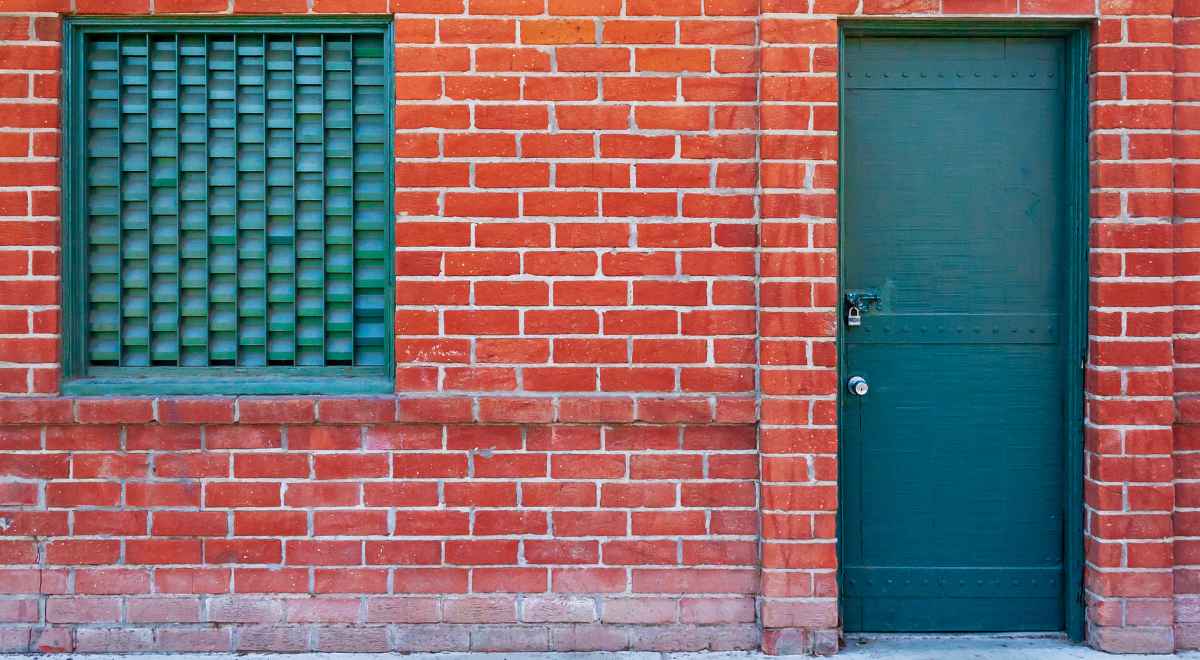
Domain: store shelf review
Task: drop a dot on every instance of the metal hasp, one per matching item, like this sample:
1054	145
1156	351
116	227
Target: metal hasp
858	301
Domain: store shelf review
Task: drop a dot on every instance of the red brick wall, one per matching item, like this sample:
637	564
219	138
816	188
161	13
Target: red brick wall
130	514
616	305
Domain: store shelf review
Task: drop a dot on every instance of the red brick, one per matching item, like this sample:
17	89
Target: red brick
82	552
170	465
195	411
324	437
526	117
481	552
1056	7
558	31
18	411
69	609
664	7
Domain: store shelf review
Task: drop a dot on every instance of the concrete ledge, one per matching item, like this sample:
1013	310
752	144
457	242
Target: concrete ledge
621	655
882	647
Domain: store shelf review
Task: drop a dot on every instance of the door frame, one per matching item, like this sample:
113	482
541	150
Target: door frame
1076	34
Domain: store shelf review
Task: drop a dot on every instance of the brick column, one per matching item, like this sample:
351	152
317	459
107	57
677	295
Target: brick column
1187	325
31	58
1128	481
798	324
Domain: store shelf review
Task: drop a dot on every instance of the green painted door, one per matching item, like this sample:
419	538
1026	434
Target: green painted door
955	214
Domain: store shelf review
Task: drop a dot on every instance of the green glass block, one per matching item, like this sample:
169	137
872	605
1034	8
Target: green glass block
135	154
104	348
252	186
102	85
104	201
309	276
281	290
102	54
339	144
165	319
339	173
103	260
221	196
166	261
279	138
222	260
310	214
279	174
102	143
192	188
251	127
105	290
252	275
221	147
164	198
368	159
250	215
371	129
222	319
103	114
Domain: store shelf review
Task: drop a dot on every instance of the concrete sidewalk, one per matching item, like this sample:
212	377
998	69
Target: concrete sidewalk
882	647
972	647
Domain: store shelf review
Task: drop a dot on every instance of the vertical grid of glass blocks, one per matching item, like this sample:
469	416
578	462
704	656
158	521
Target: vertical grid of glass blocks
236	199
193	200
281	200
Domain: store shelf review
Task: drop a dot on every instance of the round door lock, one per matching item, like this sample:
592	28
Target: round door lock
857	385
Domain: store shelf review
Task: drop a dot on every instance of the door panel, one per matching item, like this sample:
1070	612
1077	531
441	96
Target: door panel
954	213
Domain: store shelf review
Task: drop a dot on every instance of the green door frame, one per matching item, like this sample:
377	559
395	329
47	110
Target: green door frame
1077	37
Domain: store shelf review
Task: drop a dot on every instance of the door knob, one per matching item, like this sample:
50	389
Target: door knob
857	385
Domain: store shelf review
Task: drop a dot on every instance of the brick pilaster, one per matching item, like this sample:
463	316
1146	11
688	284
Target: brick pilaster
1129	467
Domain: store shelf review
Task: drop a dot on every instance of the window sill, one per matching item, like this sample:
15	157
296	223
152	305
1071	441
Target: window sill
229	383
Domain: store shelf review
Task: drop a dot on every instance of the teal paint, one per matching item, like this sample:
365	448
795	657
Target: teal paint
230	206
961	470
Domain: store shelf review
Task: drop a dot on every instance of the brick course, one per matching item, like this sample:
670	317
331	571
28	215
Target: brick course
615	421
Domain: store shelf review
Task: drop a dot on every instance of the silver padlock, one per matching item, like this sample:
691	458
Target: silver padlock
853	316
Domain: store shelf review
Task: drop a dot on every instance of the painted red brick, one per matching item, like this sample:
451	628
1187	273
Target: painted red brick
610	221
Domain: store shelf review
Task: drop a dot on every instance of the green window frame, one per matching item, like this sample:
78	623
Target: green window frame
228	206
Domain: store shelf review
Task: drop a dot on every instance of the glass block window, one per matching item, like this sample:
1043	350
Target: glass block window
232	202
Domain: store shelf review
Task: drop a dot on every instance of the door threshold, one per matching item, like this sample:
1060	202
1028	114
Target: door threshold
956	635
967	646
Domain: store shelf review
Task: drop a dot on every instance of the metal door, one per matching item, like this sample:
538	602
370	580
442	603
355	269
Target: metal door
955	254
